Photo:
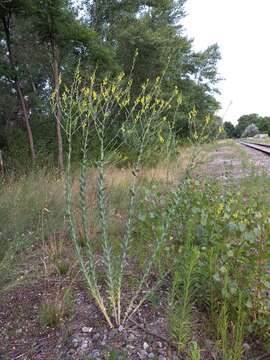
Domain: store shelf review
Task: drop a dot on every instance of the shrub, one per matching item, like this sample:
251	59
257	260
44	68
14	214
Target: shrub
233	239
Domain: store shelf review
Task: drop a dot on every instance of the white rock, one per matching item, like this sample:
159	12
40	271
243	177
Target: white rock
145	346
75	342
121	328
86	329
84	345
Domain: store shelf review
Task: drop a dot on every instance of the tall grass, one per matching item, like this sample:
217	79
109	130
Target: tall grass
21	209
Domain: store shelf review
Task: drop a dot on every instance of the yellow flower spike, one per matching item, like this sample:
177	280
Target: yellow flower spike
220	129
120	76
207	119
220	208
126	102
92	80
179	99
86	91
161	138
94	95
53	95
194	112
137	101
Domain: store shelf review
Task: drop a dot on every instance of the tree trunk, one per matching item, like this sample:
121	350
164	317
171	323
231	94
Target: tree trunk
6	23
58	114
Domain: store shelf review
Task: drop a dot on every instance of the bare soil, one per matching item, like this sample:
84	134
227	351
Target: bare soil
230	160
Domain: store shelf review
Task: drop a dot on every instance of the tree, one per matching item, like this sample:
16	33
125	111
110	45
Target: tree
67	40
262	123
8	10
154	29
250	131
229	129
244	121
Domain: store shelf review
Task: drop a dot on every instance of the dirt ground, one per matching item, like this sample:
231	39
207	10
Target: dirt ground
231	160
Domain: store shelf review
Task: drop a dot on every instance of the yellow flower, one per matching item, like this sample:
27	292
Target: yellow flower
220	208
94	95
161	138
220	129
86	91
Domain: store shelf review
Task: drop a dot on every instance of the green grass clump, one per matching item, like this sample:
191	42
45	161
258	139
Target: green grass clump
51	313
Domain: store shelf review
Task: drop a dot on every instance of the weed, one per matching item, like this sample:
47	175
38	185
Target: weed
49	315
180	297
63	267
88	108
52	312
194	351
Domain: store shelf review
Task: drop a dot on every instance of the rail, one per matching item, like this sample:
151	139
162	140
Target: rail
265	148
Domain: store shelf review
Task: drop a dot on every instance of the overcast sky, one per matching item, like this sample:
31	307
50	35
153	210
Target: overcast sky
242	30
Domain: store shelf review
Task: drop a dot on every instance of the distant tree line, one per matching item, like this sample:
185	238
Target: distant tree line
261	123
42	41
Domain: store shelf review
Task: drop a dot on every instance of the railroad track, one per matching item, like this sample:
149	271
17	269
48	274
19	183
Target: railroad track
265	148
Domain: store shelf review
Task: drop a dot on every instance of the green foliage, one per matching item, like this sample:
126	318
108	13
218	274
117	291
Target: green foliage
230	236
229	130
262	123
